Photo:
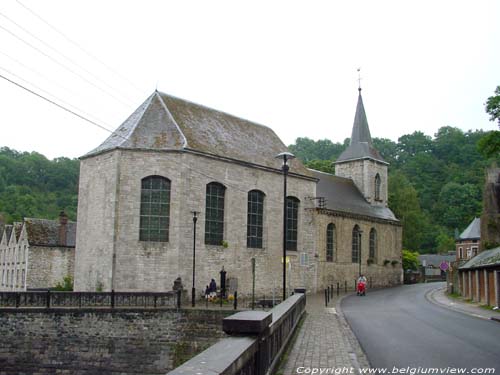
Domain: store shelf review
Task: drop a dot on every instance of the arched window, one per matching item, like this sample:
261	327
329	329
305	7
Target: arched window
373	243
356	244
378	182
255	218
214	214
292	221
155	209
330	242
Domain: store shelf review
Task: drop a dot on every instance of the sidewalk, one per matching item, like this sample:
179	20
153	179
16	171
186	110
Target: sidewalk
438	297
325	340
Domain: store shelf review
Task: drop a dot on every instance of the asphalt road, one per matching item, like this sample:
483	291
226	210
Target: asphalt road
400	327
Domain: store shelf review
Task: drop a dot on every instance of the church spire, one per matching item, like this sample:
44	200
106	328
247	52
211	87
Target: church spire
361	146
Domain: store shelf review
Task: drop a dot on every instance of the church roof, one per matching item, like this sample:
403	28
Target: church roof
341	194
164	122
361	146
43	232
473	231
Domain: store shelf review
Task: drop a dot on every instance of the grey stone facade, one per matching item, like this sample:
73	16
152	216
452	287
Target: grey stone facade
209	146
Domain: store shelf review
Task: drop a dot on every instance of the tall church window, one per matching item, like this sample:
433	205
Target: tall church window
373	243
214	214
330	242
356	244
155	209
255	218
378	183
292	220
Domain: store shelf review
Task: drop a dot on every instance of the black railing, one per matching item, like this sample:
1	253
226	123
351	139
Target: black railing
248	353
50	299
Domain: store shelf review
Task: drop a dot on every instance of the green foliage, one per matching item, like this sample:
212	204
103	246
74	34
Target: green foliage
66	285
33	186
410	260
321	165
492	106
445	243
489	145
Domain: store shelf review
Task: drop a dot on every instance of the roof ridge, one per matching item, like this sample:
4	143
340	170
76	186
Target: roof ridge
164	105
126	138
217	110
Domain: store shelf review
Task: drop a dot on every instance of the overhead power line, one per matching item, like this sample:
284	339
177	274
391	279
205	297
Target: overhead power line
80	47
57	104
69	59
63	65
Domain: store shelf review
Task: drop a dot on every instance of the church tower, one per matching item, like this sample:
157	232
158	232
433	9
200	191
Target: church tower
362	163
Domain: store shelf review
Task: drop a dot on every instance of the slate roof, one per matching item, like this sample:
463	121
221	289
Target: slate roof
487	258
435	259
8	231
43	232
473	231
341	194
361	146
164	122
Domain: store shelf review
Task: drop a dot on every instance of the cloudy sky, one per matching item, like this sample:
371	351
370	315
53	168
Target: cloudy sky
286	64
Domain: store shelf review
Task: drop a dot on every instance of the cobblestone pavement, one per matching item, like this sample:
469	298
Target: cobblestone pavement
325	341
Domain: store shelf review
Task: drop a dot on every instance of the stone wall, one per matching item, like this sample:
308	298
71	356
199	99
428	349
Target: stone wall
105	341
153	266
47	266
388	249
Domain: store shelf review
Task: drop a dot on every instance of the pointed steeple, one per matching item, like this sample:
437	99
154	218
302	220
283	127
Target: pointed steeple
360	129
361	146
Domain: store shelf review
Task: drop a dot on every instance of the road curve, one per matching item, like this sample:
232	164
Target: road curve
399	327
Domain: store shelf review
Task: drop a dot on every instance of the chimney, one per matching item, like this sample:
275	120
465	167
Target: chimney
63	220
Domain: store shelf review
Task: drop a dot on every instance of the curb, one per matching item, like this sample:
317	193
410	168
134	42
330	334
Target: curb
429	296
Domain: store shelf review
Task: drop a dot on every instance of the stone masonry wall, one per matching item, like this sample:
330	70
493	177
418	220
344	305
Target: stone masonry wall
104	342
389	239
153	266
47	266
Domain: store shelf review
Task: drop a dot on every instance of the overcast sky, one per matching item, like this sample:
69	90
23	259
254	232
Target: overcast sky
285	64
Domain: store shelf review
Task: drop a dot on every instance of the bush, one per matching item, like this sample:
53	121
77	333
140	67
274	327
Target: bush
66	285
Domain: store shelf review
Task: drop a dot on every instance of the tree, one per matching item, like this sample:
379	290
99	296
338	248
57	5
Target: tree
489	145
321	165
458	204
410	260
492	106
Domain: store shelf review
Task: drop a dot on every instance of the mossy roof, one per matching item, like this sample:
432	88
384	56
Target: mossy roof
341	194
164	122
487	258
43	232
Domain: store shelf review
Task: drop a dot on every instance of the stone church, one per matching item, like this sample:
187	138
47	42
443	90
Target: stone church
138	191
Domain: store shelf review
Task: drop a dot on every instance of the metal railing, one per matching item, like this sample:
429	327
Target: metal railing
50	299
250	354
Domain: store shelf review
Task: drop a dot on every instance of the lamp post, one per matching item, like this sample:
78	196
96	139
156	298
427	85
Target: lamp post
193	290
285	156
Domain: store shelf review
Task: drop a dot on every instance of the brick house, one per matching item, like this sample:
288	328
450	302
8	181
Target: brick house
36	253
469	241
138	191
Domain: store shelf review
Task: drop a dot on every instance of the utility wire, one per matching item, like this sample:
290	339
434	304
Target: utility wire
38	73
63	65
98	79
57	104
80	47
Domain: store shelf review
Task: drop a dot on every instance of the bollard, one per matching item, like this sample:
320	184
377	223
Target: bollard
235	300
355	285
326	298
328	288
338	289
345	286
332	289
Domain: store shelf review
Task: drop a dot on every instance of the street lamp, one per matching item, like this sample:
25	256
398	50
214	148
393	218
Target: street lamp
193	290
285	156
